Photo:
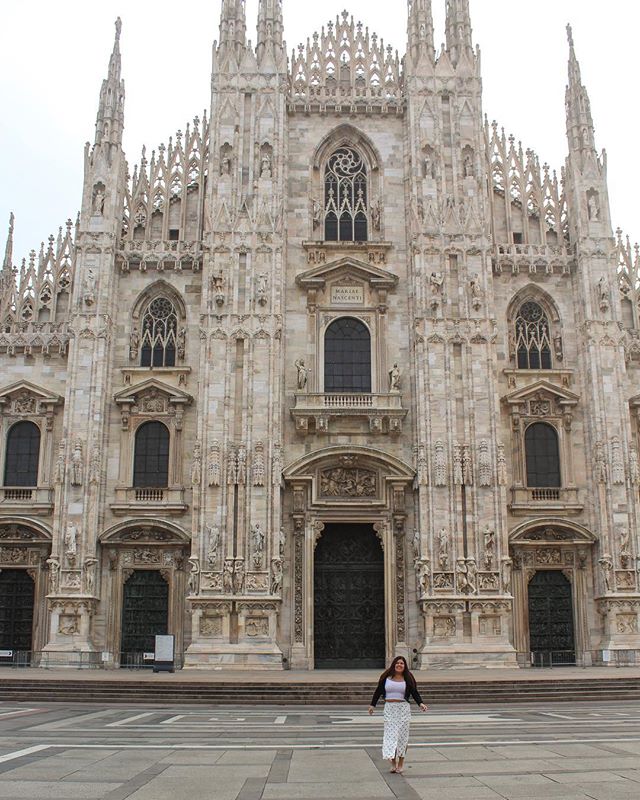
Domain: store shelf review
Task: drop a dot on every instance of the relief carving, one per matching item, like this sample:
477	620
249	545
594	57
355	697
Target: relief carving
484	464
439	464
444	627
257	626
214	466
348	483
258	464
211	626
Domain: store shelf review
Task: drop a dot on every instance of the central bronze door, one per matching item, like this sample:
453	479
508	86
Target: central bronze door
349	599
145	615
551	628
16	610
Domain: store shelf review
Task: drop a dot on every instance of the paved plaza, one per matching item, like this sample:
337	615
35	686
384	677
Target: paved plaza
80	752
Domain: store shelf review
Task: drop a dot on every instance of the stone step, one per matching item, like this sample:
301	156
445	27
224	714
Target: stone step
301	693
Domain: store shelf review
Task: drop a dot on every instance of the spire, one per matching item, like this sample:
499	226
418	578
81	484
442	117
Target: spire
420	30
580	128
7	264
110	121
270	30
233	25
458	26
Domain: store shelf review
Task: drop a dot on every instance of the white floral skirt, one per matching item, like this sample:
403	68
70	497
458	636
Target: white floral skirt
397	718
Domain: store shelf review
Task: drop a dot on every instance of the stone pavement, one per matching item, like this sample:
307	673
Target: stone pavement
567	752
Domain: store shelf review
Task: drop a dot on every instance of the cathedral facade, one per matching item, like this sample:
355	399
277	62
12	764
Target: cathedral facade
342	371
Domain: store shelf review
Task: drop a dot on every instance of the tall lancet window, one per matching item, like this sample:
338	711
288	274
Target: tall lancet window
533	338
345	197
159	331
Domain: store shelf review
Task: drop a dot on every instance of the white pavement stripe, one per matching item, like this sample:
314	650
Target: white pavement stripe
130	719
323	745
18	713
37	748
280	720
557	716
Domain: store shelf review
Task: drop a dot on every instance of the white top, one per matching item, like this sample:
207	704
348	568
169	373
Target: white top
394	690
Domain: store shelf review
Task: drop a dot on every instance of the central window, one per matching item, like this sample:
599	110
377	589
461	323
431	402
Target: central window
345	197
533	339
347	357
159	331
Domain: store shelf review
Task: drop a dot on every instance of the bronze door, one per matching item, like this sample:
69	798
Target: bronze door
145	614
16	610
349	599
551	618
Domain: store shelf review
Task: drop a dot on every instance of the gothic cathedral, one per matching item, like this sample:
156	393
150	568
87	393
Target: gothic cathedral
340	372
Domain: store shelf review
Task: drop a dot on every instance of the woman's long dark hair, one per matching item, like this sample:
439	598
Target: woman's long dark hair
407	675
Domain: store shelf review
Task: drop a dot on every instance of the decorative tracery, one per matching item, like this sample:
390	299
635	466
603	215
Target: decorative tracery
533	338
159	334
345	195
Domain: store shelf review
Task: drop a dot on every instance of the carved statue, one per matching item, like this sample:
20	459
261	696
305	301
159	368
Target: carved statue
303	374
604	293
98	200
262	284
462	583
440	463
316	212
89	288
376	214
217	285
625	552
77	465
60	463
506	575
265	166
181	343
468	166
242	464
424	578
134	344
227	576
600	464
606	567
194	577
634	468
276	576
594	208
90	566
489	547
196	466
238	576
257	541
54	575
214	467
71	543
282	540
436	282
475	290
416	543
472	576
213	538
394	379
443	549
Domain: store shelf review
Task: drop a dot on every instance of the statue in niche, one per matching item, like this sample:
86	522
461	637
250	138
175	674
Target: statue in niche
436	282
606	567
265	166
394	379
98	200
213	537
257	540
506	575
276	576
416	544
593	205
77	466
134	344
443	549
217	287
54	575
262	286
71	543
316	212
227	576
225	159
181	343
282	540
90	566
604	293
468	166
238	576
376	214
303	374
475	290
472	576
429	164
489	547
625	553
461	576
424	578
89	288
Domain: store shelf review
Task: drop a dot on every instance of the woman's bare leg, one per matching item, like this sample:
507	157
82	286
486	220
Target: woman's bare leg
400	766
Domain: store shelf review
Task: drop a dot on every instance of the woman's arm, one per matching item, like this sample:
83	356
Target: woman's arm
377	694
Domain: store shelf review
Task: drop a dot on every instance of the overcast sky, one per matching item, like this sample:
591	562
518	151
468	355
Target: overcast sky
54	55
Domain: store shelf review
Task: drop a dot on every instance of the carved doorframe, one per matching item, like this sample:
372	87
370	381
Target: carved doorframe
313	503
552	545
144	545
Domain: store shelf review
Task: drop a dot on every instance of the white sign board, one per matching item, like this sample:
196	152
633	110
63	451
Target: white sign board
148	656
6	653
165	648
347	295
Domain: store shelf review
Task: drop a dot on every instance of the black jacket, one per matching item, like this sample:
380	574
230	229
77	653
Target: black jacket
409	692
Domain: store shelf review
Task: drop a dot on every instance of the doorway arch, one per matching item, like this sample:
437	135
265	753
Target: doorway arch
349	598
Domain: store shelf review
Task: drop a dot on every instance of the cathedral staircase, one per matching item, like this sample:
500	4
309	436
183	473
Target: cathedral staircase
297	691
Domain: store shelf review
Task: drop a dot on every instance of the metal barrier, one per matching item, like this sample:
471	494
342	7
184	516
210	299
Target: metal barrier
45	659
139	660
553	658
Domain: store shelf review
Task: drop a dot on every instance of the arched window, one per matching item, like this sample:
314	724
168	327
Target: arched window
345	197
543	456
159	331
23	455
533	338
347	356
151	459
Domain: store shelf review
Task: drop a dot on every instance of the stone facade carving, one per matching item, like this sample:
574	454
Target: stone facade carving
196	465
348	483
258	464
77	464
485	471
214	465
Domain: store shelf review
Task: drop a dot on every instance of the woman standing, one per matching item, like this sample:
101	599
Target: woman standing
397	685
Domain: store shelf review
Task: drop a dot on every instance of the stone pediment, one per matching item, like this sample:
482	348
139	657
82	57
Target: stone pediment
347	268
27	398
551	532
542	391
152	387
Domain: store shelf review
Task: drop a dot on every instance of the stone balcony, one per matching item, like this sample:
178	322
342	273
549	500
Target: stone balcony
149	500
533	259
556	500
323	413
37	500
